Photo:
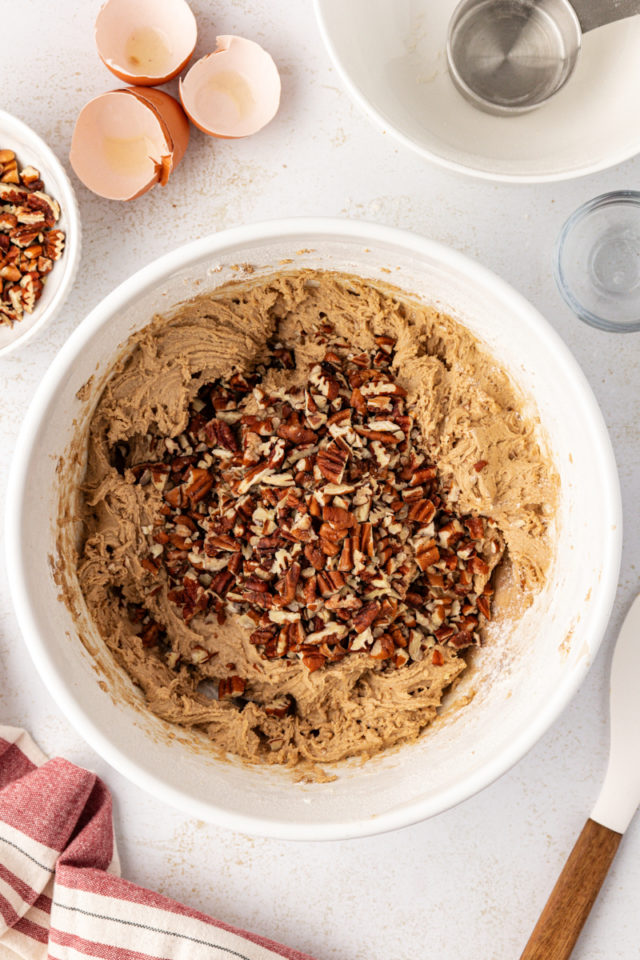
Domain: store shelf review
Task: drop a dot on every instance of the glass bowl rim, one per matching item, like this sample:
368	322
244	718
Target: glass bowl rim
611	198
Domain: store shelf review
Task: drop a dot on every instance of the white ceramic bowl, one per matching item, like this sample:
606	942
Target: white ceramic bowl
30	149
523	678
392	58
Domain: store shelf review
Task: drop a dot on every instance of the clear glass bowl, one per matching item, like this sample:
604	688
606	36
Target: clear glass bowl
597	261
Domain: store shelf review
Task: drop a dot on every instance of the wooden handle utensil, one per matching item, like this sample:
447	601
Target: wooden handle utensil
566	910
574	894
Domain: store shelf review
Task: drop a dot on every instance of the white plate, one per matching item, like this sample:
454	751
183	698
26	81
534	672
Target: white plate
391	56
31	150
523	678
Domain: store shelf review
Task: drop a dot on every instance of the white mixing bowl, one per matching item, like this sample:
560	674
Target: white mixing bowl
391	56
522	679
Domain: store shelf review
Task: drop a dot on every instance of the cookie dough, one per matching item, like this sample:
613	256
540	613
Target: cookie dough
469	413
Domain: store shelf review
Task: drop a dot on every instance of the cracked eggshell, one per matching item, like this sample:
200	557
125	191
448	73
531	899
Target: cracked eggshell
145	42
126	141
232	92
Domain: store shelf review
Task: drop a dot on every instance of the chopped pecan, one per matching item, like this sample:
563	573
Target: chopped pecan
330	582
198	484
338	516
229	687
218	433
315	555
313	661
365	616
280	707
427	553
332	463
484	607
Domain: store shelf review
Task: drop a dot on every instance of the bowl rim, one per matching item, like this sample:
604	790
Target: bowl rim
149	276
69	205
385	125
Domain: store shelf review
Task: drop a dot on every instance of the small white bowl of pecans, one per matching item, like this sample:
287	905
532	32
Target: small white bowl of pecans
39	233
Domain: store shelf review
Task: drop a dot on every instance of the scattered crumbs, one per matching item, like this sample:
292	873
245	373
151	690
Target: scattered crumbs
565	647
85	390
247	268
314	774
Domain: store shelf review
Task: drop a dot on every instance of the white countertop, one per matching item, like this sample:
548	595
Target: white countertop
471	882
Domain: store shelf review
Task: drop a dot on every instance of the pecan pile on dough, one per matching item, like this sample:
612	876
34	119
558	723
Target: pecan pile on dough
314	515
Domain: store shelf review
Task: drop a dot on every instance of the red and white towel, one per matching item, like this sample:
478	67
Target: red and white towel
61	895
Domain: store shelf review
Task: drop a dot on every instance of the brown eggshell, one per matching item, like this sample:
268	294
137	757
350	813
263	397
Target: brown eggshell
232	92
145	42
126	141
171	114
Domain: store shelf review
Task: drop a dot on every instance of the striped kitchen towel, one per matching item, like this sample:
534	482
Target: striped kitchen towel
61	895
